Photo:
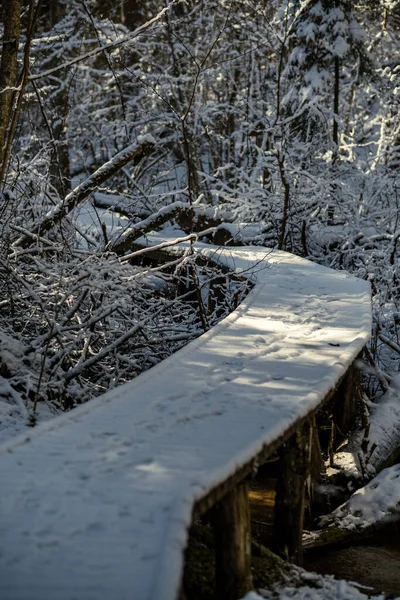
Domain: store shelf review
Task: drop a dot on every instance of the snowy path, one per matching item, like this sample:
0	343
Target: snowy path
95	504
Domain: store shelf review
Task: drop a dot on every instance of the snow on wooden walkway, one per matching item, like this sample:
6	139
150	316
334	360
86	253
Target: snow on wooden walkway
95	505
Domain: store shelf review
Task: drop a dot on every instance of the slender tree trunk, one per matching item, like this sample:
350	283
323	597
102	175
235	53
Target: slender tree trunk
8	70
286	200
59	166
51	12
131	13
336	107
10	56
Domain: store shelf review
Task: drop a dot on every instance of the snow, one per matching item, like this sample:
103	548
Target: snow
377	502
86	187
98	501
320	588
317	79
340	47
14	416
385	422
147	138
241	232
13	413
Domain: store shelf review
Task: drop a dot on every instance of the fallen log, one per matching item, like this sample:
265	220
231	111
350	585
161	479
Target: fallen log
131	234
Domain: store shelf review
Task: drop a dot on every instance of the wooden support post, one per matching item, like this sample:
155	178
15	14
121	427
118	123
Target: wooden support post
294	459
317	465
231	522
316	498
344	411
345	403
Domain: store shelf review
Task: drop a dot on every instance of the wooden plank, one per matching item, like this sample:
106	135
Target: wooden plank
231	522
294	458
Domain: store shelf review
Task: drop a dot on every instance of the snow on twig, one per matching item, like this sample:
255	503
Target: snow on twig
192	237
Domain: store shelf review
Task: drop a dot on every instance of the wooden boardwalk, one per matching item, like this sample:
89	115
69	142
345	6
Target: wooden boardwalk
96	504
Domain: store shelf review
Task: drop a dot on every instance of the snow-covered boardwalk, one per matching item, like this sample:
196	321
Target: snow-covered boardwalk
95	505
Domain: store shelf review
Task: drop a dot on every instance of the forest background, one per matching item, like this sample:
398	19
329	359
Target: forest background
267	122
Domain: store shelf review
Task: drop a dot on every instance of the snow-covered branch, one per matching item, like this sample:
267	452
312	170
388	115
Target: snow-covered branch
134	232
134	153
192	237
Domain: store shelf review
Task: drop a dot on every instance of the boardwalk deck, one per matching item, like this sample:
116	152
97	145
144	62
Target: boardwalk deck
95	504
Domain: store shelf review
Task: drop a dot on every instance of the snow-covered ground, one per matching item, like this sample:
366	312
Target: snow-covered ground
13	412
98	501
377	502
316	587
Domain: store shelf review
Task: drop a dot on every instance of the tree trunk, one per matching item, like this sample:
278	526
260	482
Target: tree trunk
286	200
60	176
8	70
336	108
